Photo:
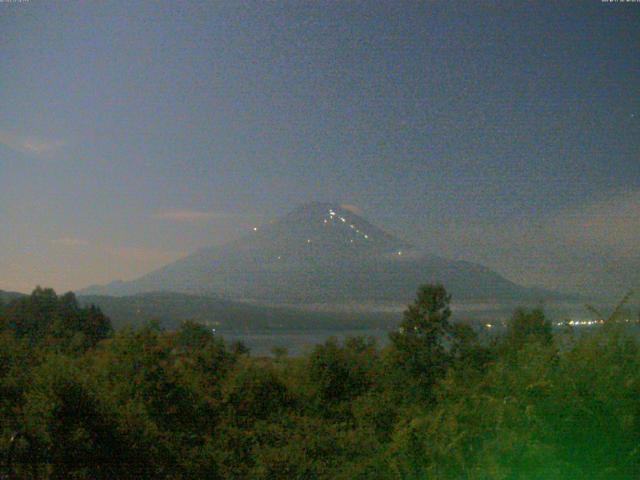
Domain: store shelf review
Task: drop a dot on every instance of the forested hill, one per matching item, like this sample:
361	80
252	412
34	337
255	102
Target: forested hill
6	297
171	309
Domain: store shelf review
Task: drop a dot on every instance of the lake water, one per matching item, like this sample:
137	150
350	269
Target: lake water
489	319
299	342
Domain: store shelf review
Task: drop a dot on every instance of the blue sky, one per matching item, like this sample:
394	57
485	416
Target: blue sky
133	133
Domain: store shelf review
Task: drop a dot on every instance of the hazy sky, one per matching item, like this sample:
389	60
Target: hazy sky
132	133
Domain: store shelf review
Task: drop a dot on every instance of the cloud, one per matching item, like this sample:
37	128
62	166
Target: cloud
70	242
29	144
143	254
590	248
351	208
138	254
611	225
190	216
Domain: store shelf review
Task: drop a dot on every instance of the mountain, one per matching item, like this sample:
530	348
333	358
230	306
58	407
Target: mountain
320	253
6	297
170	309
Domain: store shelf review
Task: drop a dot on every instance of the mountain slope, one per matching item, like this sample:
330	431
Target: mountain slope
319	253
170	309
6	297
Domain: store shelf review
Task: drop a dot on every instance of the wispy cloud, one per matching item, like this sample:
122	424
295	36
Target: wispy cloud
29	144
70	242
190	216
588	248
144	254
127	253
611	225
352	208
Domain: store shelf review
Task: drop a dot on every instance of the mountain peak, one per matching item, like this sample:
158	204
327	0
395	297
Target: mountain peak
320	252
334	230
318	208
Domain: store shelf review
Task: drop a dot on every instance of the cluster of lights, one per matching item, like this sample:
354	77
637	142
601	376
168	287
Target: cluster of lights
573	323
333	215
582	322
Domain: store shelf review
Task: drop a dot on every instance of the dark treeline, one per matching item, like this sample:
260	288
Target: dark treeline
78	400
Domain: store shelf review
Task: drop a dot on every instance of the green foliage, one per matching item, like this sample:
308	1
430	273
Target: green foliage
419	347
78	401
16	365
43	317
341	373
255	393
69	426
528	326
279	351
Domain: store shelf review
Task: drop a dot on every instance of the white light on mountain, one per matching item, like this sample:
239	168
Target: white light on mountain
399	252
366	236
308	240
255	229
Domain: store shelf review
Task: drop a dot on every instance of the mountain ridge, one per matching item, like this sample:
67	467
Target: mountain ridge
7	296
320	252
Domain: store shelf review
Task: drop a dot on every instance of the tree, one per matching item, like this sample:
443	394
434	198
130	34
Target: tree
95	325
255	393
341	373
528	326
68	425
192	335
279	352
32	316
419	347
238	348
44	317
